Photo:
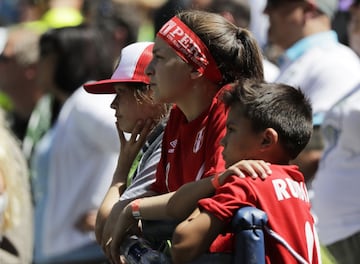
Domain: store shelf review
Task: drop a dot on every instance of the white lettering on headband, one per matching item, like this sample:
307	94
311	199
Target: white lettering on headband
190	48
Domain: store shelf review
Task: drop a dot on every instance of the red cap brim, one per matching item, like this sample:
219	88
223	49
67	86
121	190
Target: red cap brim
106	86
101	87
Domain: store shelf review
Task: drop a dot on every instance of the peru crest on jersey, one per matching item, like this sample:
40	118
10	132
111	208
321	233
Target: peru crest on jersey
199	140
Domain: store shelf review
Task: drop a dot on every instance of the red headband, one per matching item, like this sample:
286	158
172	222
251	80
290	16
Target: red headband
190	48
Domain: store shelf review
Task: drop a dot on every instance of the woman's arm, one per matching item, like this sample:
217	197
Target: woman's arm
150	208
179	204
194	236
184	201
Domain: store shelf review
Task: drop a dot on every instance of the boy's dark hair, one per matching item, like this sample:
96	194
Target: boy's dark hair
278	106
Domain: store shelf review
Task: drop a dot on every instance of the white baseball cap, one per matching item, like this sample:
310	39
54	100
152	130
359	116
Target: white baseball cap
134	59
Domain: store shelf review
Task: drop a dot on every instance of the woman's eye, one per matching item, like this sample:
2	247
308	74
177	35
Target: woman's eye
229	129
157	56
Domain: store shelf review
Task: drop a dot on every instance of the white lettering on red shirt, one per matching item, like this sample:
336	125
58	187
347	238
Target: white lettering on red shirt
286	189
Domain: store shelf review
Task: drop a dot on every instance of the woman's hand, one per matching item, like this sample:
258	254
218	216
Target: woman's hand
110	226
253	168
125	225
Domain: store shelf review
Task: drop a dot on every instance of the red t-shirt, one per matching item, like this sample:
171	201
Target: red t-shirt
284	198
191	150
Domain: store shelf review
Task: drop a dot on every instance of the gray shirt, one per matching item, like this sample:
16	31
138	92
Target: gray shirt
145	173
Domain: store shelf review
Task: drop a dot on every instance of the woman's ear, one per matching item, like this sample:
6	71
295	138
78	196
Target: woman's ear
195	74
270	138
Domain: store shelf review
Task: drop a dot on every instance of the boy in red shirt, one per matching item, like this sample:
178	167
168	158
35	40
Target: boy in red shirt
272	122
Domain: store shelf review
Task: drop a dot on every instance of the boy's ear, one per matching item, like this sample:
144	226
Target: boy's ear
270	138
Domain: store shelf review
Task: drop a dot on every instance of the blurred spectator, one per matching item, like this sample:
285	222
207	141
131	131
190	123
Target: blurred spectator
4	100
259	24
145	11
341	20
117	20
63	13
74	161
336	181
18	65
200	4
336	185
9	11
18	70
239	13
19	11
118	26
236	11
354	27
41	14
313	59
16	214
166	11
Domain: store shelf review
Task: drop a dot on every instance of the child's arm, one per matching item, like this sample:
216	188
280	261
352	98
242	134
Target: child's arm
194	236
129	149
185	199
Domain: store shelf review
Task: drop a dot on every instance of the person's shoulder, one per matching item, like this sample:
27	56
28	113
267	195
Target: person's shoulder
336	52
338	61
278	172
271	71
87	102
343	50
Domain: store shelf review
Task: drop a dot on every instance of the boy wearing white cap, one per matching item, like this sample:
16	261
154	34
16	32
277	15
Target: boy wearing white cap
135	113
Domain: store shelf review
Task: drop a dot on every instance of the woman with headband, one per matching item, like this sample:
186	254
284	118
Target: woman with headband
195	54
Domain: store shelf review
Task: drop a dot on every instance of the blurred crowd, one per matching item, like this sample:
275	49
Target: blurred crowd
59	145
